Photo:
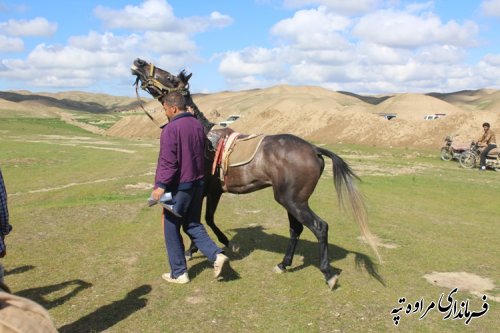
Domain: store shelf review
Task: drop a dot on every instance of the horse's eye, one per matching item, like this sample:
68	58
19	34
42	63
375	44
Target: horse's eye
141	62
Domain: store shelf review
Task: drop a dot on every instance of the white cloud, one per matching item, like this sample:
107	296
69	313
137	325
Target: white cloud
370	53
252	62
489	67
150	15
313	29
339	6
70	57
445	54
492	60
220	20
200	24
388	50
85	61
8	44
107	41
36	27
169	42
368	46
402	29
157	15
96	57
491	8
254	67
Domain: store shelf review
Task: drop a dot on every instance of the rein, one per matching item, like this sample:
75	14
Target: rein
143	109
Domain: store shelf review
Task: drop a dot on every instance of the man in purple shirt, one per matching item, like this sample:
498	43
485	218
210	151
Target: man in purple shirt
180	170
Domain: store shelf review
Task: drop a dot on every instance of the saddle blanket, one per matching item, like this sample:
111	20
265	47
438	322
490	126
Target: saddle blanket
243	150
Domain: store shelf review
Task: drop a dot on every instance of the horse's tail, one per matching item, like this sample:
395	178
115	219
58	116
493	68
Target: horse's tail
343	180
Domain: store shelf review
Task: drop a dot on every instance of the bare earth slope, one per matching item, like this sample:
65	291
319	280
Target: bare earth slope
314	113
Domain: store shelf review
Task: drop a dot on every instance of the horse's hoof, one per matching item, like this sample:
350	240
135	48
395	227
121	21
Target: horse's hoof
332	281
277	269
234	246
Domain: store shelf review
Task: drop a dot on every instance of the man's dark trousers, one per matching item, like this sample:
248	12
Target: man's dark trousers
187	203
485	153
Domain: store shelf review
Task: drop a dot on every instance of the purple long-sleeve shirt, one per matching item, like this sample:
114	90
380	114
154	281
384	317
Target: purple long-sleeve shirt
182	146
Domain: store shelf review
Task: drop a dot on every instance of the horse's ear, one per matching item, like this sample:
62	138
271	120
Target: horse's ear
183	77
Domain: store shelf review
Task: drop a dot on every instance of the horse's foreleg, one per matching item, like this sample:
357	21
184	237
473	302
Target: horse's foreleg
296	229
213	195
190	251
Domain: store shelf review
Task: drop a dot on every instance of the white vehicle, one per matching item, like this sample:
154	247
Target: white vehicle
387	116
434	116
231	119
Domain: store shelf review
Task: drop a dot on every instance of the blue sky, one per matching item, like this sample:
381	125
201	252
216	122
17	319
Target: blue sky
364	46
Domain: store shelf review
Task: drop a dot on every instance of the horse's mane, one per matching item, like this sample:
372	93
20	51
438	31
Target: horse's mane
207	124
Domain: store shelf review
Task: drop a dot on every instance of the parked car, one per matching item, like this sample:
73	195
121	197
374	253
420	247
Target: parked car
231	119
434	116
387	116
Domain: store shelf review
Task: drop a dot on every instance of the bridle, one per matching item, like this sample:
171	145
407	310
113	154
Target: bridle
153	85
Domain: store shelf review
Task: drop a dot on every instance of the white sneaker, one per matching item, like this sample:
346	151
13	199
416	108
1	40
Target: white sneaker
220	262
181	279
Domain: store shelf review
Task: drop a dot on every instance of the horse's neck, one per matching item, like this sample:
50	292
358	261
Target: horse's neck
207	124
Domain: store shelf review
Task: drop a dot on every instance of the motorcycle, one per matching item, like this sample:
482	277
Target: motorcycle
471	157
450	151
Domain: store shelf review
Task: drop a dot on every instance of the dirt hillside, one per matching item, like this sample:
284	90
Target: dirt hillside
314	113
330	117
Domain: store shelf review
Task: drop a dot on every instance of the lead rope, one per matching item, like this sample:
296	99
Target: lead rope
142	107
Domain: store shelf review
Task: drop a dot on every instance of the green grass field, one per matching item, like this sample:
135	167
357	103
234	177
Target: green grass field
86	246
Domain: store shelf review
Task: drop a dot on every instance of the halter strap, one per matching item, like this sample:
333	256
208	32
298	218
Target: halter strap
160	88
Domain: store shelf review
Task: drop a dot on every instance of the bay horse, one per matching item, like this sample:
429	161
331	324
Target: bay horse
287	163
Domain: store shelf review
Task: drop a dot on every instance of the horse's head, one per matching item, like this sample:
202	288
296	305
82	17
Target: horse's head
157	81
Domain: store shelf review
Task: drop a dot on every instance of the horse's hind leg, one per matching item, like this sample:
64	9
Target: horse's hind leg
331	276
319	228
296	229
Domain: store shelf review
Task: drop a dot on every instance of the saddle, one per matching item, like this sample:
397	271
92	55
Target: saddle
234	150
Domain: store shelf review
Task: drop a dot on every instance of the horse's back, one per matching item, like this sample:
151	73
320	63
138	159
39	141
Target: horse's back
289	146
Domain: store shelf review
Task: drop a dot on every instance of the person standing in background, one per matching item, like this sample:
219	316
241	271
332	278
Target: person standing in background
488	141
5	227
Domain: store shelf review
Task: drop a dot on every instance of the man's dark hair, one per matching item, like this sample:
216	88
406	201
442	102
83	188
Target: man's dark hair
486	124
174	99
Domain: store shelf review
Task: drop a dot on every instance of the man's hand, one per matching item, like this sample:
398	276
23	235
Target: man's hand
157	193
